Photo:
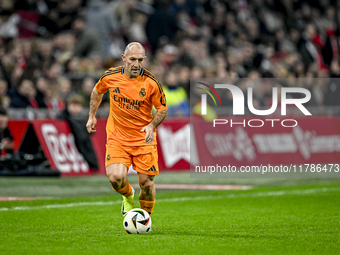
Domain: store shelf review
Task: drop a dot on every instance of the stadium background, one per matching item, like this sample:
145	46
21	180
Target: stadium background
53	52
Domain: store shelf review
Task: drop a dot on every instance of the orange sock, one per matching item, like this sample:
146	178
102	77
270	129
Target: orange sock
126	190
147	205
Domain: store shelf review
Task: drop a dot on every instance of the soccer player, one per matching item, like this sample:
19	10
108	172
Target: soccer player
131	129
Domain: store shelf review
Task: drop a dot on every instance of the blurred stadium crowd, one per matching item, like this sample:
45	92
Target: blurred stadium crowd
54	51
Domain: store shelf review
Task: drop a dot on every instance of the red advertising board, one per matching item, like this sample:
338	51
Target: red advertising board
58	145
18	129
173	141
99	141
313	140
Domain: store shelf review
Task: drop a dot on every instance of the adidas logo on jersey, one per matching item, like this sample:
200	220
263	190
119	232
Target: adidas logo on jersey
152	169
116	90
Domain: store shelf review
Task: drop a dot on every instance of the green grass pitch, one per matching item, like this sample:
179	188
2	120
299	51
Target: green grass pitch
82	216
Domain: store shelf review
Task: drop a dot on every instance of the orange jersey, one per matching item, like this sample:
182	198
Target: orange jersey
131	102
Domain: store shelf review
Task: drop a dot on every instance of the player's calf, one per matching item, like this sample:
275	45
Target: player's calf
148	193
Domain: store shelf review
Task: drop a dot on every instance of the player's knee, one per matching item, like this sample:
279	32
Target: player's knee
147	186
115	178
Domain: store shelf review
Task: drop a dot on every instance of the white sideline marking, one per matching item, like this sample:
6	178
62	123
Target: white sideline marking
17	198
167	200
198	186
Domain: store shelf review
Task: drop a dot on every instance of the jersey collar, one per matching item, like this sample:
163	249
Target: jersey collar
141	72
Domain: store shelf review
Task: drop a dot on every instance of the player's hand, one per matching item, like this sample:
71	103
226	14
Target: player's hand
91	125
149	133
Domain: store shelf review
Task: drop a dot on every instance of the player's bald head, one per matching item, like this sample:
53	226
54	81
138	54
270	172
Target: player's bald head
134	47
133	59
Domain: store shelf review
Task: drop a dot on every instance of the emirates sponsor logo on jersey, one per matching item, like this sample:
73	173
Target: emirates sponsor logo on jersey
126	100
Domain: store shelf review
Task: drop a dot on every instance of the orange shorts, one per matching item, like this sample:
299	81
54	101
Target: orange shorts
144	159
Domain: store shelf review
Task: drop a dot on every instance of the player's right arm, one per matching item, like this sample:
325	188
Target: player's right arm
95	101
96	98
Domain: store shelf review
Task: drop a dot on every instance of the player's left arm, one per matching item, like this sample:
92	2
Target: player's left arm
159	102
157	120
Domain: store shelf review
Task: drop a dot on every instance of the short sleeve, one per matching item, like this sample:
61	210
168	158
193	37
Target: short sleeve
101	86
158	97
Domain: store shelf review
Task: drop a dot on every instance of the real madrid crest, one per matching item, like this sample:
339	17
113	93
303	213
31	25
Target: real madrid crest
142	92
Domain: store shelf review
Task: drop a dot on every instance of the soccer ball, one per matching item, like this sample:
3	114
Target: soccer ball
137	221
